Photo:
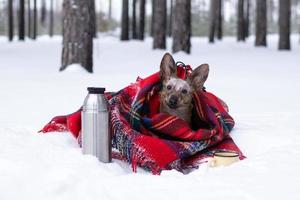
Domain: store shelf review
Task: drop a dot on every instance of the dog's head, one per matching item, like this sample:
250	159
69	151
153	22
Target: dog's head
177	92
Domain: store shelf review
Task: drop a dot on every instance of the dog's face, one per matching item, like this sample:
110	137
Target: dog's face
177	94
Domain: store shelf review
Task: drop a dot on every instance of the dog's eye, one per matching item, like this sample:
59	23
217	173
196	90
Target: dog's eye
184	91
169	87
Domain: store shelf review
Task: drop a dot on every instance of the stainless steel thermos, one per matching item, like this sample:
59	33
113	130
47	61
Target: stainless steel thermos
95	126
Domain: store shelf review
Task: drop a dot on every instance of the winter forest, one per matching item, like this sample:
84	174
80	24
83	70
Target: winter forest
139	18
235	62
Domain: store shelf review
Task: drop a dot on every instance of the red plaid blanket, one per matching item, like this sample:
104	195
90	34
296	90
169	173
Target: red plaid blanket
157	141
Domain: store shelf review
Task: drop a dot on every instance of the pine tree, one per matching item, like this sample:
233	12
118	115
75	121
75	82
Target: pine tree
77	34
241	21
182	28
141	29
212	19
134	29
10	20
219	20
21	21
34	33
160	24
125	21
284	24
261	23
51	18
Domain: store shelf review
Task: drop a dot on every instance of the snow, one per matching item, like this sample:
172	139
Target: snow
261	86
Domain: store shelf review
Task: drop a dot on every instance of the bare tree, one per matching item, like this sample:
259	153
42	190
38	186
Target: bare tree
51	19
141	29
170	19
34	33
93	18
241	21
43	12
219	19
29	24
212	19
109	9
284	24
182	28
247	18
77	34
134	29
160	24
125	21
21	21
10	8
261	23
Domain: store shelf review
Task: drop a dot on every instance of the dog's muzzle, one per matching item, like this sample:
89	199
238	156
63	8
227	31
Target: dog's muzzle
173	102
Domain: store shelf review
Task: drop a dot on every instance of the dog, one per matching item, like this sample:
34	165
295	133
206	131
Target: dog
176	95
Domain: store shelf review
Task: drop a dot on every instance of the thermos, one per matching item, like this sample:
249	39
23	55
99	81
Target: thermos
95	126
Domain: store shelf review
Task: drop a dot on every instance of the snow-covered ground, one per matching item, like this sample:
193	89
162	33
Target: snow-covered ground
261	86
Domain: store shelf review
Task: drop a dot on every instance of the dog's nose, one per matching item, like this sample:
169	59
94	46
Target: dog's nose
173	100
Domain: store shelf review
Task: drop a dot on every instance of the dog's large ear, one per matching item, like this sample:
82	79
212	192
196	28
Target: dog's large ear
199	76
167	67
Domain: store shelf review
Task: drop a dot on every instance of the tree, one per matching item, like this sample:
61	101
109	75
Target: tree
170	19
34	34
141	29
93	18
43	12
284	24
213	20
219	20
247	20
125	21
182	28
10	20
77	34
29	25
109	9
51	19
241	21
134	32
21	21
159	24
261	23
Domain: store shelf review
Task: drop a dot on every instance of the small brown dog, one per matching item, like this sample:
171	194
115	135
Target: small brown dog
177	94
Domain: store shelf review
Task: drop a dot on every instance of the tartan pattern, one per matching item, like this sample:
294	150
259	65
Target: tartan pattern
162	141
156	141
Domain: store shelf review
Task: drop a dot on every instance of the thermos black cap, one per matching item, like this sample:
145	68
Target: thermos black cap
96	90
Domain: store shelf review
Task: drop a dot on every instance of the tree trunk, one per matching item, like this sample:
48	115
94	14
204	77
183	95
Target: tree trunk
219	20
34	34
29	25
134	33
109	10
284	24
51	22
43	12
170	19
182	28
261	23
241	21
77	34
212	19
93	18
152	19
160	24
10	20
142	20
125	21
247	20
21	21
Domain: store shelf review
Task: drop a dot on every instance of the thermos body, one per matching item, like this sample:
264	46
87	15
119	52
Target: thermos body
95	126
